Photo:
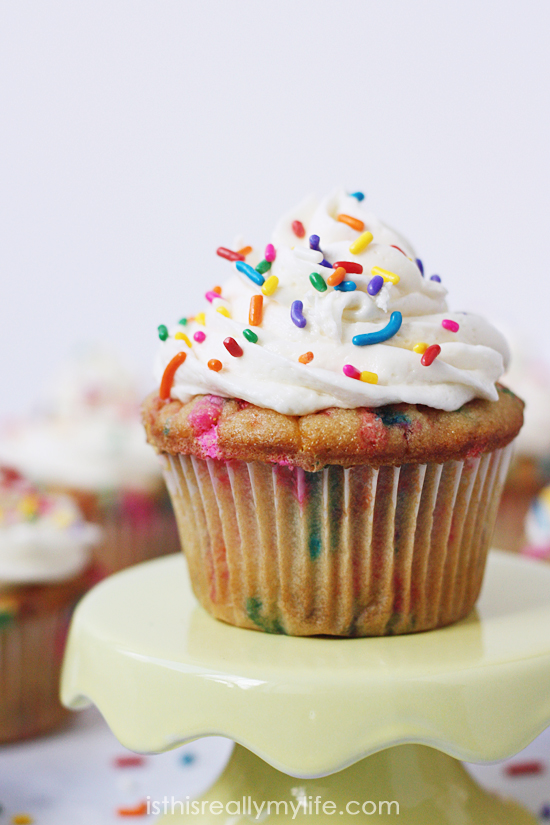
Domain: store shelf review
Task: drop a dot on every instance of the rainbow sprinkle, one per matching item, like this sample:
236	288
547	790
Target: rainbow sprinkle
250	336
318	282
270	253
392	328
163	332
270	285
385	274
233	348
430	355
297	314
451	326
361	243
250	272
199	336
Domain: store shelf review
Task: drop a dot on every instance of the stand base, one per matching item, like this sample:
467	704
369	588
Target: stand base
430	788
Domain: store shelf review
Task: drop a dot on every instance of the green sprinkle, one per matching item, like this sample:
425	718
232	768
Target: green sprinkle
263	266
250	336
183	322
163	332
318	282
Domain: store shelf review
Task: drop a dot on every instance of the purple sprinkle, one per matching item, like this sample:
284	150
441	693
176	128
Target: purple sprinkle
199	336
545	812
346	286
297	315
420	265
375	285
314	241
324	262
435	278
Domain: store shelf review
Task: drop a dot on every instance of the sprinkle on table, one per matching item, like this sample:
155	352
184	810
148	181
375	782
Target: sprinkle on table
306	358
524	768
346	286
263	267
255	312
163	332
214	365
358	196
200	318
354	223
223	311
435	278
199	336
361	243
130	760
250	272
22	819
375	285
450	325
318	282
270	285
351	267
246	250
420	348
270	253
297	314
228	254
298	229
168	375
430	355
392	328
181	336
386	274
337	276
233	347
250	336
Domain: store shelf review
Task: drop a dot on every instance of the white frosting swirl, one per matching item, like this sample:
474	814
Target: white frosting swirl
43	538
269	373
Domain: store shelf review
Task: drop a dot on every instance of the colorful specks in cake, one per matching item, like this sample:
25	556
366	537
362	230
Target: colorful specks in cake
250	336
420	348
318	282
250	272
270	253
297	314
361	243
270	285
254	609
435	278
306	358
233	347
354	223
163	332
430	355
337	276
346	286
450	325
228	254
391	417
199	336
392	328
255	312
298	229
215	365
385	274
205	414
168	375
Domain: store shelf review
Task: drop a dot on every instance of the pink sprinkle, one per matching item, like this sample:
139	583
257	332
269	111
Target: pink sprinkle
199	336
270	253
129	761
452	326
351	372
211	295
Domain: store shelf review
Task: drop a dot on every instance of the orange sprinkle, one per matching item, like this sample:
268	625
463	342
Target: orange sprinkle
168	375
355	223
337	276
215	365
246	250
306	358
22	819
217	289
256	310
139	810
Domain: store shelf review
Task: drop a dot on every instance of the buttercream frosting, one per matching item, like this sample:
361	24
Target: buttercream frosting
269	372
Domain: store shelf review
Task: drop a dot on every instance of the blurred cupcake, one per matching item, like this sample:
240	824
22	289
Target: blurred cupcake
537	527
44	569
334	438
90	444
530	467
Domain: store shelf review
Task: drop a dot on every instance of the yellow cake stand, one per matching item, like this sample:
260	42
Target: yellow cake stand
362	722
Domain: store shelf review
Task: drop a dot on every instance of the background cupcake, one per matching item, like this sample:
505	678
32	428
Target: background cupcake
89	443
44	569
334	439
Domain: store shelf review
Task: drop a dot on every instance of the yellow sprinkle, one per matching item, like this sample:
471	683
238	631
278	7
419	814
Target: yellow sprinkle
386	274
361	243
270	285
28	506
223	311
181	336
22	819
368	377
201	318
420	348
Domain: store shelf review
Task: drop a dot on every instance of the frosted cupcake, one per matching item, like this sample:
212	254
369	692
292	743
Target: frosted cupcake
334	439
90	444
44	569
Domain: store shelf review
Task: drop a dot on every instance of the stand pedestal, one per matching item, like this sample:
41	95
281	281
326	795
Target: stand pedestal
400	711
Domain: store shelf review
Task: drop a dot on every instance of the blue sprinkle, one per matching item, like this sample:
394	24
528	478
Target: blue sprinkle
250	272
359	195
324	262
545	812
420	265
375	285
346	286
297	315
188	758
314	241
435	278
391	328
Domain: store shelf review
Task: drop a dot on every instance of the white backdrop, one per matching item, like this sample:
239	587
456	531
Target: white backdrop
138	135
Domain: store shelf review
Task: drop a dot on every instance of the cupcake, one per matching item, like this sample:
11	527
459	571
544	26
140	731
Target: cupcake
530	467
90	444
44	569
537	527
334	439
